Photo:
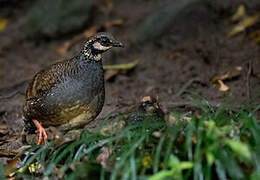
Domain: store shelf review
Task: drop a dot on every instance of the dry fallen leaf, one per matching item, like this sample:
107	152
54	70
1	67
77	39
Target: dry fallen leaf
114	70
222	87
243	24
245	21
227	76
103	156
63	49
239	14
3	23
127	66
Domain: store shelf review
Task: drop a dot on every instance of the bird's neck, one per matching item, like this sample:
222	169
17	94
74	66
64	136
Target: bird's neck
91	54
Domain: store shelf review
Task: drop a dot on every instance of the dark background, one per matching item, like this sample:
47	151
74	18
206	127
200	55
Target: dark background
180	45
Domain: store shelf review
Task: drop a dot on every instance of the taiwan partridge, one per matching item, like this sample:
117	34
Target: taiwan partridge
70	93
149	109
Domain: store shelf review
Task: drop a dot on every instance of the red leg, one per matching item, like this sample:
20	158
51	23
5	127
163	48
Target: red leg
41	131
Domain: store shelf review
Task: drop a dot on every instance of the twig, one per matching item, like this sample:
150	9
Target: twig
15	86
180	104
248	84
12	94
14	89
187	85
189	104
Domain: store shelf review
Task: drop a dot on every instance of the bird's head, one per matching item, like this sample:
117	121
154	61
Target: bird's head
150	105
99	44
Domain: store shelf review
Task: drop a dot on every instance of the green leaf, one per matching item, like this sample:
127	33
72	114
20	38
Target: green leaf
239	147
121	66
174	162
255	176
210	157
186	165
161	175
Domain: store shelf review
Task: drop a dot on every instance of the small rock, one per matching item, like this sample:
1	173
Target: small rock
51	18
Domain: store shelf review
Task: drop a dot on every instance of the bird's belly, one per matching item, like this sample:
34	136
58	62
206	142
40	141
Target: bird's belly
69	92
79	120
74	116
73	103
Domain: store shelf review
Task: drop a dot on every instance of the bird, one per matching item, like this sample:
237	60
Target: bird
149	109
70	93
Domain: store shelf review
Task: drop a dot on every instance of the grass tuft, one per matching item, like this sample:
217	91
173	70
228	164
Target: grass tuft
219	144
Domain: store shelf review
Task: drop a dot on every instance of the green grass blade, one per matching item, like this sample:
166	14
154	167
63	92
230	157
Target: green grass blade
158	155
101	143
124	157
2	173
220	170
79	153
133	167
169	148
35	156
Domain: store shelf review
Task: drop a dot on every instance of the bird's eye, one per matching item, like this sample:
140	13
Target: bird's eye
143	104
105	41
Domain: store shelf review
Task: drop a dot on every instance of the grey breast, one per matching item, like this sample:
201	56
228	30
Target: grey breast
78	85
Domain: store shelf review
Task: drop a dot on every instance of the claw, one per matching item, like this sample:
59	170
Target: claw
41	132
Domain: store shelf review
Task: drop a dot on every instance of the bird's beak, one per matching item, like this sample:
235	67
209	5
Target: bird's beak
117	44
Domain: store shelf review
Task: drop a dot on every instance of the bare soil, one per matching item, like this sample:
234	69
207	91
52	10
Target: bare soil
195	46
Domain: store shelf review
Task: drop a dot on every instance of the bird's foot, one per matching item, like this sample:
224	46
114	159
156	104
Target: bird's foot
41	131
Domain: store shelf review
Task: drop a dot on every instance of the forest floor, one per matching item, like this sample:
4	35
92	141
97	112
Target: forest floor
192	50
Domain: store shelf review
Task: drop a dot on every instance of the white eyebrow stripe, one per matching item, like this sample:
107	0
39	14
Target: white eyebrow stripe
98	46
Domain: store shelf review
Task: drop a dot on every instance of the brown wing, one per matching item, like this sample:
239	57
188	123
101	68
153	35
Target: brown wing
44	80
